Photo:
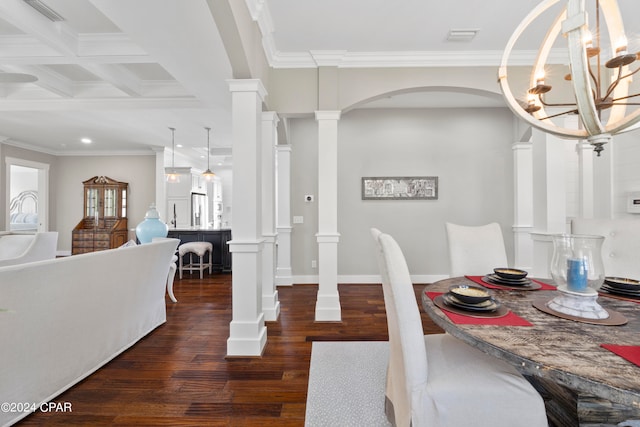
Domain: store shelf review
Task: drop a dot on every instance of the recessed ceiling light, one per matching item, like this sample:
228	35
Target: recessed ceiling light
179	145
86	141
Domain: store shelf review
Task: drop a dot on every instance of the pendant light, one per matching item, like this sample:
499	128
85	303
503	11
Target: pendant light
172	174
208	174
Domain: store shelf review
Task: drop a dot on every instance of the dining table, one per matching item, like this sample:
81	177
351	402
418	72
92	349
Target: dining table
557	350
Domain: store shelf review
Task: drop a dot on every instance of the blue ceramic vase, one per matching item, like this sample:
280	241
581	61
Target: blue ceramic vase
151	226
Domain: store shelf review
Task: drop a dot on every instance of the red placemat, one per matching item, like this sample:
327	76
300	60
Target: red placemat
628	352
510	319
479	281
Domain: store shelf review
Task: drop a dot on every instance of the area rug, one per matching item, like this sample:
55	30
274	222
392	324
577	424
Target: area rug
346	384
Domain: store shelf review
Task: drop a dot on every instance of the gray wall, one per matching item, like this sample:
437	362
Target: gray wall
468	149
138	171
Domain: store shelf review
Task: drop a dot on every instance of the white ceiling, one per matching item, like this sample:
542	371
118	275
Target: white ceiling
122	71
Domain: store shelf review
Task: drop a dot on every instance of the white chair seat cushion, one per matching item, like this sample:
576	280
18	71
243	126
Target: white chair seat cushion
461	382
199	248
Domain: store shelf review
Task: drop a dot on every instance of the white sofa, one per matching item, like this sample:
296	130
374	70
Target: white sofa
62	319
621	247
18	248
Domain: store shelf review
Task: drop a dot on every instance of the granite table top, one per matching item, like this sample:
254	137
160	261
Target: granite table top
562	350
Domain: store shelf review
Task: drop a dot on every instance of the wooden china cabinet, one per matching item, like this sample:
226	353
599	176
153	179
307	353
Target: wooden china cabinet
104	225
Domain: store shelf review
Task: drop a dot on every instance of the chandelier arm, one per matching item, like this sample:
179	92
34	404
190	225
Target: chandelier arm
626	97
596	79
560	114
613	85
630	74
548	104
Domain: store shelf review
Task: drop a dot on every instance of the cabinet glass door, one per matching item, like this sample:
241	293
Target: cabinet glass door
92	202
109	202
124	203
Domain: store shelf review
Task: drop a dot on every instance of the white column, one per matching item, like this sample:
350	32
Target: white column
283	215
328	301
270	303
549	197
603	183
161	189
247	331
523	205
585	179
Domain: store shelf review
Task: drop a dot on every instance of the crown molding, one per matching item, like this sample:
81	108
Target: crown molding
346	59
74	153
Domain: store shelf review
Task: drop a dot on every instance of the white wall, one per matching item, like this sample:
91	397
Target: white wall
138	171
468	149
626	173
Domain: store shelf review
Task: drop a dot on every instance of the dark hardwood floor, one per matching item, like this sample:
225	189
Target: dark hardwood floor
178	375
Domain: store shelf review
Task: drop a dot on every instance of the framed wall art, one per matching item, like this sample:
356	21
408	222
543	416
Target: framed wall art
400	188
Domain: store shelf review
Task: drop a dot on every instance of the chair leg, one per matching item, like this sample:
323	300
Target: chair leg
201	264
181	266
172	275
210	261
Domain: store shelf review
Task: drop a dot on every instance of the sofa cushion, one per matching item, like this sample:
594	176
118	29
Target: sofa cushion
14	245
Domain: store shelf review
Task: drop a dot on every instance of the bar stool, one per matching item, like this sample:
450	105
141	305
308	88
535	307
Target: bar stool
199	249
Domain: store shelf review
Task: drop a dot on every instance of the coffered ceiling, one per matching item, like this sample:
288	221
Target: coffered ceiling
122	71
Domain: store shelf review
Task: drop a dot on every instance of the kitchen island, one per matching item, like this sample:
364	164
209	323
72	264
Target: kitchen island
221	257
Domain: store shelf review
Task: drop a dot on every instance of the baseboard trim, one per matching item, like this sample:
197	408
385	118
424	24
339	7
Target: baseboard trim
366	278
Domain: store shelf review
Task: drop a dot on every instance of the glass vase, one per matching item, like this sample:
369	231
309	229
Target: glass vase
576	264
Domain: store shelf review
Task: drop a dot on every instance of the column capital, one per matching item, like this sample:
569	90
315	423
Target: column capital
247	85
522	145
270	116
584	145
328	115
283	147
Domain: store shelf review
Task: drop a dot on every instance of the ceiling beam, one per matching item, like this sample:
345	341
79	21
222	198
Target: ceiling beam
56	35
99	104
118	76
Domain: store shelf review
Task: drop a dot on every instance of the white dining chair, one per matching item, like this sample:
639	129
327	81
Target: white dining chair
441	380
475	250
393	388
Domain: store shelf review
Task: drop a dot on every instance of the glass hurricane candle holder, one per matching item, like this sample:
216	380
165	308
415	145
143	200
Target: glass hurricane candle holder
577	262
578	271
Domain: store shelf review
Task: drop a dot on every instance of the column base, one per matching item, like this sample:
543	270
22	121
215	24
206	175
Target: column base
271	307
284	277
328	308
247	338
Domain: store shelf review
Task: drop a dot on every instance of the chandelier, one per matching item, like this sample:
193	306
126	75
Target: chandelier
600	77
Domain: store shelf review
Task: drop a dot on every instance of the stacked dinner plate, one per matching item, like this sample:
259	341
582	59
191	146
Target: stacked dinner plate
622	286
507	277
471	298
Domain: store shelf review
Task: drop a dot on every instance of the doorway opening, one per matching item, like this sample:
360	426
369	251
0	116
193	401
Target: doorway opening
27	193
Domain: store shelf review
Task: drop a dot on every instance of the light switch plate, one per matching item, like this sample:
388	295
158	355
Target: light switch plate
298	219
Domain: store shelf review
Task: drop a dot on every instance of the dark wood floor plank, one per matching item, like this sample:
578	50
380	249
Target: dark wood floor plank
179	374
